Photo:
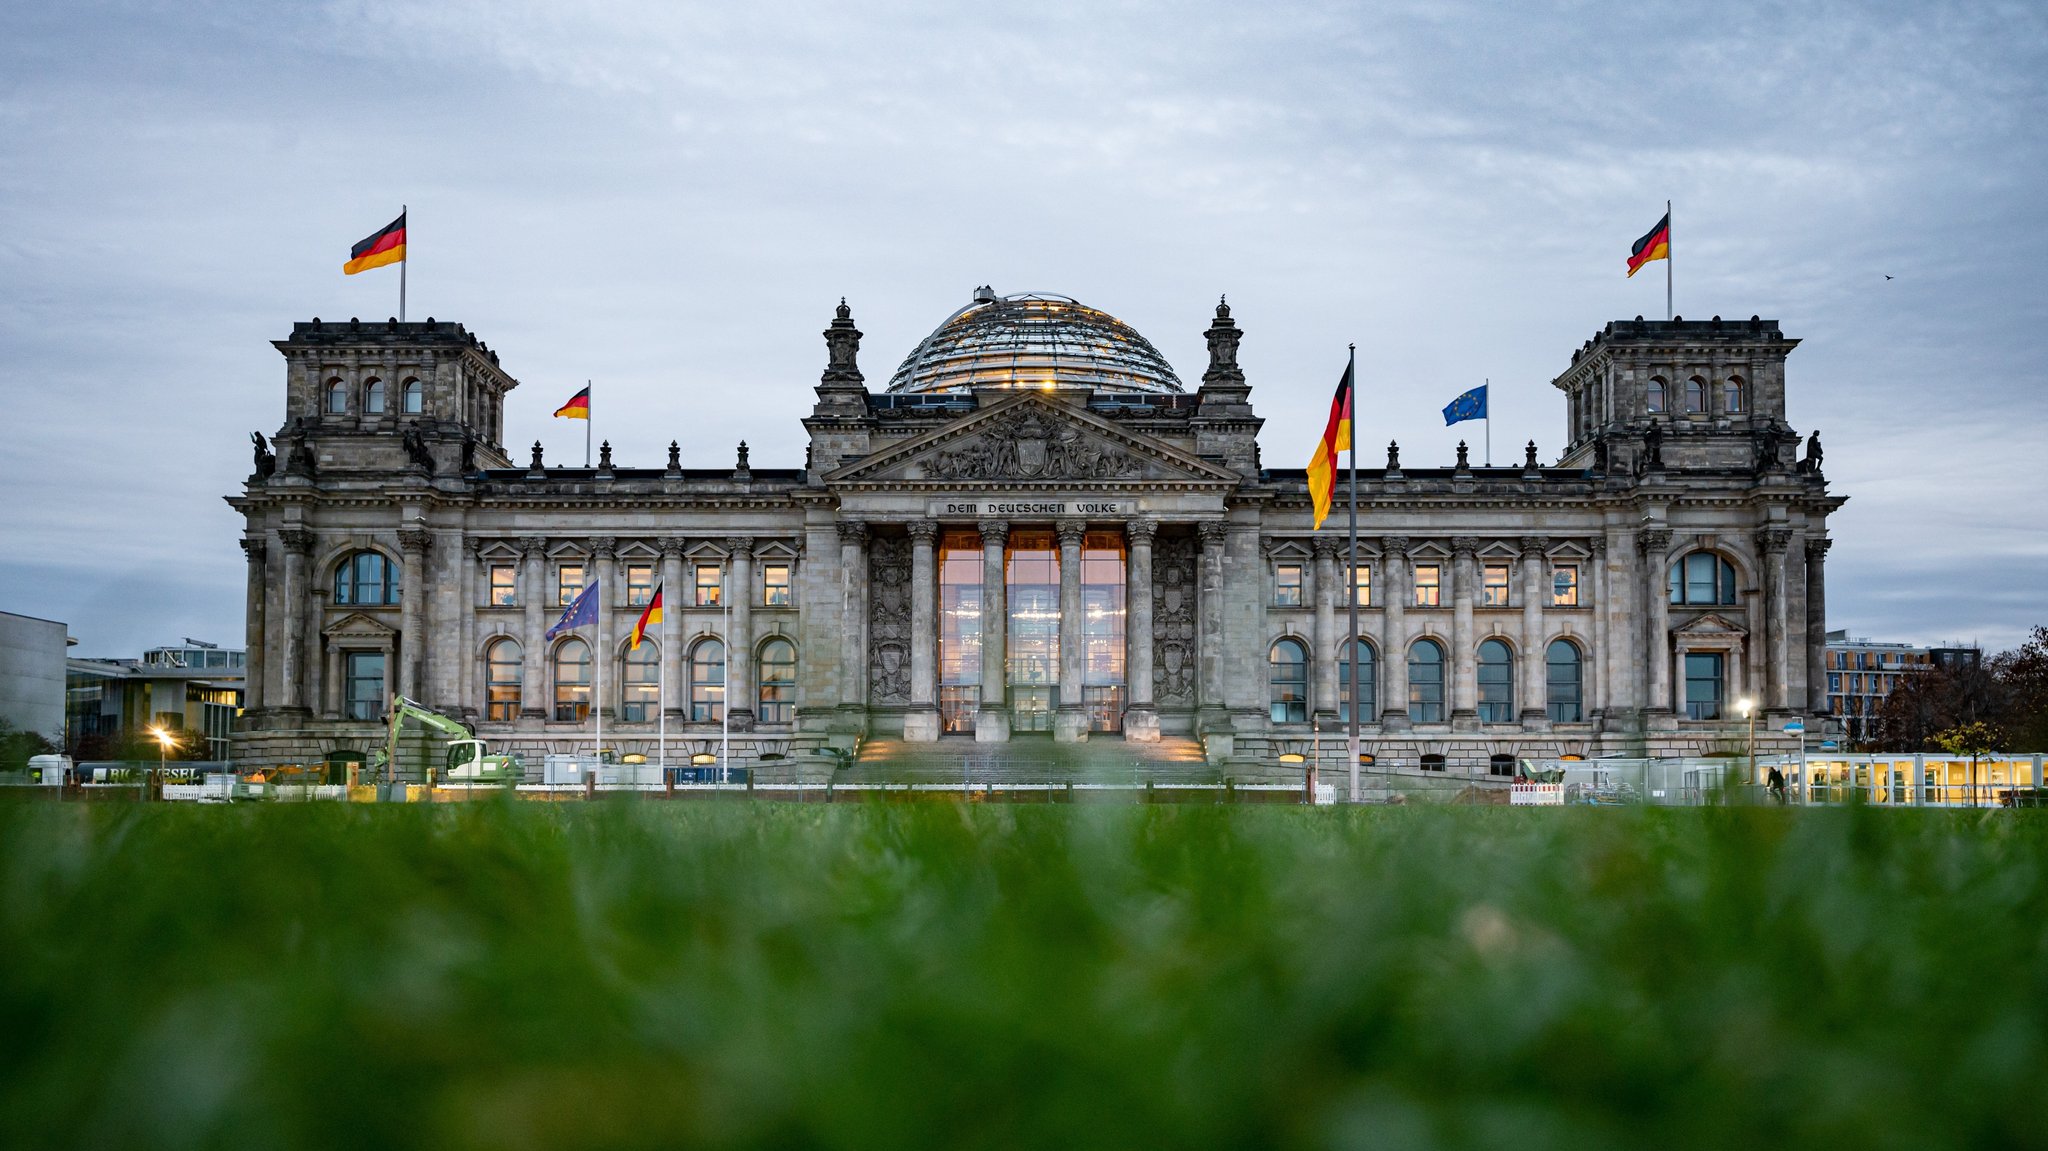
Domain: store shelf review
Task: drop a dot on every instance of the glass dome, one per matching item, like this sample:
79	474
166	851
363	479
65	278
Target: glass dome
1033	340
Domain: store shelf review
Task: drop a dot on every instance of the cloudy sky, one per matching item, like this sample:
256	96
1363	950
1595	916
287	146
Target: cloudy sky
669	200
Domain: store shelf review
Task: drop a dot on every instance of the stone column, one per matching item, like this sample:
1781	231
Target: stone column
853	614
1817	627
1394	644
1070	723
1209	691
1329	648
533	595
257	551
466	685
604	554
1654	545
674	598
297	542
739	679
992	719
921	722
1534	709
1464	665
1771	543
412	611
1141	718
1595	693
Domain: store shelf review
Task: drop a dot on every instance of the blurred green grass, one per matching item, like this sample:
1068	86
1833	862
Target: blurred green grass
918	976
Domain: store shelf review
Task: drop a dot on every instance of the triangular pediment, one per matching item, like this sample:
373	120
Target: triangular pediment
358	627
1027	439
1710	623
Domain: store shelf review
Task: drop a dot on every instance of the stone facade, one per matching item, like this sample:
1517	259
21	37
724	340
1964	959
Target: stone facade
1522	610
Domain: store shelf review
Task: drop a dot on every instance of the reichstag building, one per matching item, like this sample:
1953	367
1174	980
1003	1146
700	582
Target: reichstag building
1038	530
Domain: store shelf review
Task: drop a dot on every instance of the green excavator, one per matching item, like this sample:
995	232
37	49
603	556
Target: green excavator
468	761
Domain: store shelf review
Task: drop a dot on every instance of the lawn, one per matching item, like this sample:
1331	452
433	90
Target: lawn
950	975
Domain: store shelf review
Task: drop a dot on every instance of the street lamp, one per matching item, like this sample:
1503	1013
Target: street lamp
1748	708
163	747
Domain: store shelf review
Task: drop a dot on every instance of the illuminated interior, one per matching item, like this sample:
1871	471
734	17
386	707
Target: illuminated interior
1033	340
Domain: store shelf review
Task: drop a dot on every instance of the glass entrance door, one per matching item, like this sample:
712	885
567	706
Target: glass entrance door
1034	629
1031	708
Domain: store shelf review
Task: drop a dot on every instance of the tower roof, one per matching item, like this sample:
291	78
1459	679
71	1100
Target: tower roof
1033	340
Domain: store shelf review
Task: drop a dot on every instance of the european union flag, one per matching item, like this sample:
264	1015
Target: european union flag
1470	406
582	610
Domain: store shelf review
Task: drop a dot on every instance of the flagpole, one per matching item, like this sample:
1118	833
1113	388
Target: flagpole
402	210
725	710
661	694
1486	383
588	417
1351	571
1669	259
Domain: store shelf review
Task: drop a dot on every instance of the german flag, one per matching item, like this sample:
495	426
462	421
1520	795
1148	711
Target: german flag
651	616
1656	245
578	407
1322	470
385	246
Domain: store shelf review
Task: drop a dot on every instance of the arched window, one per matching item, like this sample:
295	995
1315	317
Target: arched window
367	578
640	683
1703	579
572	681
1368	683
1695	395
373	397
1432	762
1496	683
1655	395
1289	662
1426	682
411	398
337	396
1733	394
504	671
1563	689
707	681
778	682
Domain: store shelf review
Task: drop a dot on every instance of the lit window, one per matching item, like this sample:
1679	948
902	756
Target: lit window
504	671
1703	685
1655	395
504	585
1695	395
1564	585
1361	586
778	682
707	682
1702	579
1563	687
1368	698
412	398
1428	585
568	583
1496	683
640	683
373	397
337	397
639	584
1426	682
364	689
775	585
1735	399
1494	586
366	578
1287	585
572	681
708	583
1289	662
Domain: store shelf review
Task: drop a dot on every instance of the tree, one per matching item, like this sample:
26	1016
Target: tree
1975	739
2022	674
1935	699
16	746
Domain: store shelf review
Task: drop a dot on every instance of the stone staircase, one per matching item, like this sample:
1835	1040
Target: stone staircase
1030	760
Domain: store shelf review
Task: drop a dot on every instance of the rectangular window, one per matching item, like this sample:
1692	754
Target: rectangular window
960	624
1564	585
709	582
639	584
1361	587
363	686
1703	686
775	585
504	585
1494	586
1286	585
1428	585
568	583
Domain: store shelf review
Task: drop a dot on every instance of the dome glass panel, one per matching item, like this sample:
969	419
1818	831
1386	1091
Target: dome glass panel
1033	340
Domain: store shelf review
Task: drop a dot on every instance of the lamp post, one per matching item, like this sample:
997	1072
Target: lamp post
1748	708
163	747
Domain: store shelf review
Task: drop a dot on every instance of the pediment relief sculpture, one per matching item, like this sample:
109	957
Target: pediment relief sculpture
1026	445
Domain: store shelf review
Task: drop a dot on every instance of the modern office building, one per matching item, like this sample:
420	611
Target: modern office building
1862	672
192	688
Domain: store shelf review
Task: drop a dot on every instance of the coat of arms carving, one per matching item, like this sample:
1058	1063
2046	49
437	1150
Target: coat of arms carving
1026	445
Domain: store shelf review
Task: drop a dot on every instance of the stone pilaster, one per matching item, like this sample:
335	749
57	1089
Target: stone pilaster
1070	723
1464	668
1394	586
921	722
1771	543
604	554
675	689
992	720
1654	546
412	611
257	552
1141	718
853	614
739	591
1326	589
297	543
1534	598
1210	692
1817	625
1597	696
533	595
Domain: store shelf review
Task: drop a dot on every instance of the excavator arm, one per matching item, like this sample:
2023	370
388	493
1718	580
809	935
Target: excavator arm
403	709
